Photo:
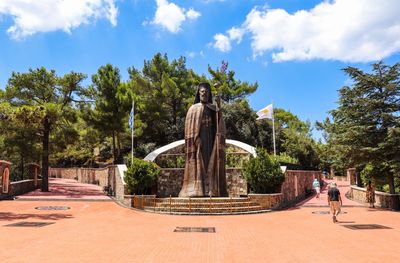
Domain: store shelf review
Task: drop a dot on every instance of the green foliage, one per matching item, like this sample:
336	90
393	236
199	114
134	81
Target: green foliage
109	111
143	149
230	88
366	125
180	162
378	175
235	159
171	161
40	102
241	124
263	173
164	91
141	176
285	158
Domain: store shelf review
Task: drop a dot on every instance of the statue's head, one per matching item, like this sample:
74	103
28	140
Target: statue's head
203	93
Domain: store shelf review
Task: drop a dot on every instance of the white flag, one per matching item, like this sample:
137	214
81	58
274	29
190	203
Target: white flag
266	113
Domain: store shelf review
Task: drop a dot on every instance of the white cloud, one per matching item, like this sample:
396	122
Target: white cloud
236	34
33	16
346	30
192	14
190	54
222	43
170	16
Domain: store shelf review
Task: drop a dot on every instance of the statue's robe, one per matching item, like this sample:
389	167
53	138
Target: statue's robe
204	170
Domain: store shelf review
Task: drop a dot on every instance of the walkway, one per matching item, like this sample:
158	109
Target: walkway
322	201
107	232
67	189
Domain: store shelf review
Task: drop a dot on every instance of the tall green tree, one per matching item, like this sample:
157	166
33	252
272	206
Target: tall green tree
241	124
20	140
49	95
366	125
109	112
230	88
164	91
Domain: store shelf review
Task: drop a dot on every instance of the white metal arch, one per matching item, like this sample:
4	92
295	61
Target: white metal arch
153	155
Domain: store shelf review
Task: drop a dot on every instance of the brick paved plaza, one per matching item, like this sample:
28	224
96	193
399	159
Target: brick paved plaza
103	231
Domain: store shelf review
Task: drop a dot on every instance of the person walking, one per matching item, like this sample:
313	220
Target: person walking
334	201
370	195
316	187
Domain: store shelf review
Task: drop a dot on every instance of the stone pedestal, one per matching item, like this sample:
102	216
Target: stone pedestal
34	171
351	175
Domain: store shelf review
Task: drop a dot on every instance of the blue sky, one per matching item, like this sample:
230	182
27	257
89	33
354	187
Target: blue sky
294	49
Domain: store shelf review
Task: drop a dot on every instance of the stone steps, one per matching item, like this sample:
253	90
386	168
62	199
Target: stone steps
203	210
224	205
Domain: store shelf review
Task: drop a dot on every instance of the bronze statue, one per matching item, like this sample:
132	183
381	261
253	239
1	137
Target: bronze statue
205	147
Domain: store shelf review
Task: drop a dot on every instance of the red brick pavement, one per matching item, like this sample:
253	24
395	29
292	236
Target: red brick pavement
107	232
67	189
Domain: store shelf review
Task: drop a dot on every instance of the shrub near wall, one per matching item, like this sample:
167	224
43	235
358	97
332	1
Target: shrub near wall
141	176
263	173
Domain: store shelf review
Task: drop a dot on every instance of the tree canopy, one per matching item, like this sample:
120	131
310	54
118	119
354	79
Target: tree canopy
365	127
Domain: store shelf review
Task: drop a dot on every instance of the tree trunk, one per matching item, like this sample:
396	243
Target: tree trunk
45	155
119	157
391	183
22	166
358	179
392	190
114	148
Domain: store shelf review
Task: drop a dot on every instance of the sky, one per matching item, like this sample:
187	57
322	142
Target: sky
294	49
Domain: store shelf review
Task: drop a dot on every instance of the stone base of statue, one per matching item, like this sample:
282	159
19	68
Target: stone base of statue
199	205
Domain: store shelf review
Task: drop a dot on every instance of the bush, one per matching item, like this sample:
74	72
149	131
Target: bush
284	158
263	173
141	176
235	159
378	176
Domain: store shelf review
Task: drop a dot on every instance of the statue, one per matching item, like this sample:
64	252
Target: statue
205	148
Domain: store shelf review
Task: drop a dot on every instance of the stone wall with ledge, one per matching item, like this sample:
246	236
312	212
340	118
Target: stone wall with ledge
170	182
21	187
382	200
267	201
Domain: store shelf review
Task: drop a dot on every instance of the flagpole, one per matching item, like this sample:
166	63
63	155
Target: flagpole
133	112
273	127
273	133
268	113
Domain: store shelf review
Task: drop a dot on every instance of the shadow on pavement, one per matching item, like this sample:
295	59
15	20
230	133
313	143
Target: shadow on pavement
12	216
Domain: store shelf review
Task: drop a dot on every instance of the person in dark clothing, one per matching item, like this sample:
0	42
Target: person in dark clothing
334	201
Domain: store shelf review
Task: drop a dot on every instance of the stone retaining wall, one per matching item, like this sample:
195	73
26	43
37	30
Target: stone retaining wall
383	200
267	201
297	185
21	187
170	182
